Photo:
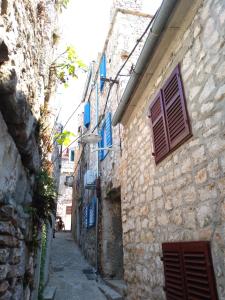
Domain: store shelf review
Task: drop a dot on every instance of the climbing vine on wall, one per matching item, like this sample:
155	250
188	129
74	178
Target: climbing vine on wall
43	259
44	199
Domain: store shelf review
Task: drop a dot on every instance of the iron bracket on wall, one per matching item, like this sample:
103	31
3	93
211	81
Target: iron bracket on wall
110	80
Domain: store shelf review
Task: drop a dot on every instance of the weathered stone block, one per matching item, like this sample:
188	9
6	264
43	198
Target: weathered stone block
7	212
220	95
201	176
3	271
8	241
4	254
176	217
213	169
205	214
162	219
6	296
198	155
157	192
3	286
207	90
207	192
7	228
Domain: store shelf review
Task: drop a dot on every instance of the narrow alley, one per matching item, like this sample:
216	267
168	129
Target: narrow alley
67	278
112	150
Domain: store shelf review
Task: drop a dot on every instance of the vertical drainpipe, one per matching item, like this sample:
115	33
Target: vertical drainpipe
97	174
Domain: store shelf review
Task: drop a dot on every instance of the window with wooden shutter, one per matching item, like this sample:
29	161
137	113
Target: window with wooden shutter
92	213
160	140
168	113
106	136
178	126
108	128
68	210
188	271
102	72
87	114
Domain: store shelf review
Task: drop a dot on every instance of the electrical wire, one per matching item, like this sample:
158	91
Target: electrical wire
55	122
121	68
111	84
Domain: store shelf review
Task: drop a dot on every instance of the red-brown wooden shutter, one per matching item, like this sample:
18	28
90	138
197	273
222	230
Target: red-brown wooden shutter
198	269
189	264
160	140
173	270
177	122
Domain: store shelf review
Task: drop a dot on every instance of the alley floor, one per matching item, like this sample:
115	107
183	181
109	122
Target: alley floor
66	271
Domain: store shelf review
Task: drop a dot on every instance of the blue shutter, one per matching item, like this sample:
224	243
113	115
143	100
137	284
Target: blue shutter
72	155
92	213
101	145
102	72
87	114
85	217
108	128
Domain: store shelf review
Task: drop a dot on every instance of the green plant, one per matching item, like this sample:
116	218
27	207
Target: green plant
42	206
64	138
43	258
67	65
45	196
55	38
62	4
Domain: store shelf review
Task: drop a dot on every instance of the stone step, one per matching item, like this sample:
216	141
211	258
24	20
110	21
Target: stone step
49	293
109	293
118	285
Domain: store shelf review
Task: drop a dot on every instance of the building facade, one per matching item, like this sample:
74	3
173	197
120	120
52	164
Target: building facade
97	221
64	201
173	158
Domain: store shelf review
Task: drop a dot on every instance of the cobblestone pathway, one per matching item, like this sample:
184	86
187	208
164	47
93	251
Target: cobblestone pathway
66	273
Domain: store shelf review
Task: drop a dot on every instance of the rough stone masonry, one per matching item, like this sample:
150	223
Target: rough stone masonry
181	198
26	49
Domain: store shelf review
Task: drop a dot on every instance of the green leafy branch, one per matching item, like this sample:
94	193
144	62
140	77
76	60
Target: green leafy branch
64	138
62	4
67	65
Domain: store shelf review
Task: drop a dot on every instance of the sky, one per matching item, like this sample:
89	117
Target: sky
84	24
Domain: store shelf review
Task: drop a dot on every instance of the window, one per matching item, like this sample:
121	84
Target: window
169	118
102	72
72	155
188	271
87	114
106	135
68	210
89	214
85	216
92	213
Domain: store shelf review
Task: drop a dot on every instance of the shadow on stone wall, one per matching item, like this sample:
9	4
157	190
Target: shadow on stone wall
20	121
19	161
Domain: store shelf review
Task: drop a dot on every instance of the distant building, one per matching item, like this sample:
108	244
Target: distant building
64	202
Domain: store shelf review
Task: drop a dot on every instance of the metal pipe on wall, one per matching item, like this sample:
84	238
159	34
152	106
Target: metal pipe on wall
97	175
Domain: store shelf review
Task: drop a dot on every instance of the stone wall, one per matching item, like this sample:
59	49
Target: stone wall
182	197
26	51
126	31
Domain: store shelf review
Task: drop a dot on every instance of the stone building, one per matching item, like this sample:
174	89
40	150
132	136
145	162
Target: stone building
64	201
96	219
26	52
173	157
